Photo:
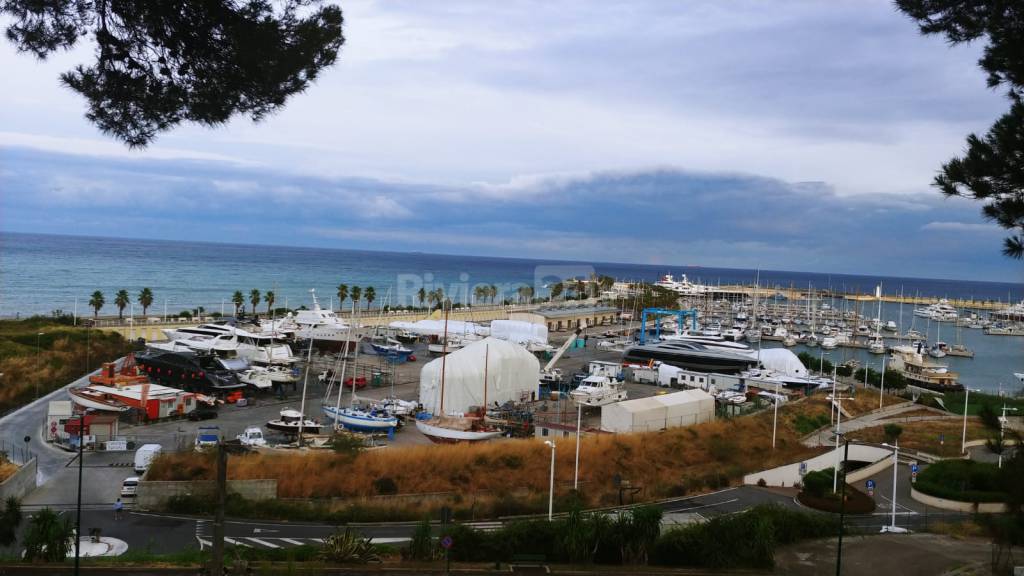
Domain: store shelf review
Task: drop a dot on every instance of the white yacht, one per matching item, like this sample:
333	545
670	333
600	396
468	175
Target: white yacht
225	339
323	326
598	390
683	286
941	311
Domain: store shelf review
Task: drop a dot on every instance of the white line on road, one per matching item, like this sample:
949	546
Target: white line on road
236	542
704	506
290	541
263	542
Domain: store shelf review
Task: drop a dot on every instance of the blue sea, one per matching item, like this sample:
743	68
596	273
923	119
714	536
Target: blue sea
42	273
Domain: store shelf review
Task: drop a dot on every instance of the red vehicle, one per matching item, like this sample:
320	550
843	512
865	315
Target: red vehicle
233	397
360	382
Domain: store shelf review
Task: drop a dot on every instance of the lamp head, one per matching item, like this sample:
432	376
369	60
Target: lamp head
549	443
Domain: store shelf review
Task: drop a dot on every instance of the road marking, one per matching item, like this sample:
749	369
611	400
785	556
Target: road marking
703	506
203	543
390	540
295	542
263	542
236	542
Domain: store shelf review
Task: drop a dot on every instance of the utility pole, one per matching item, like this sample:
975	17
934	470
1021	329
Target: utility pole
78	513
217	562
842	509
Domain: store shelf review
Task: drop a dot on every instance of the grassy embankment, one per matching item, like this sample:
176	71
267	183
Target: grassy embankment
938	437
511	477
62	355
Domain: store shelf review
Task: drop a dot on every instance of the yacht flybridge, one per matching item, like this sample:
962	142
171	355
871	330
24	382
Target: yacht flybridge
323	326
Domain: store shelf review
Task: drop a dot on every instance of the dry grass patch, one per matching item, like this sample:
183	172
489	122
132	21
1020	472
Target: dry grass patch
7	469
924	436
667	463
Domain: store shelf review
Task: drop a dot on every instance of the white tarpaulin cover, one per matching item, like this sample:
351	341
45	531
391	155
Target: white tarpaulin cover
684	408
436	327
782	360
512	374
519	331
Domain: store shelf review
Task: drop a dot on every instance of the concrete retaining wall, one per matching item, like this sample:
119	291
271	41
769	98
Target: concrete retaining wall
957	505
790	474
20	483
869	471
152	494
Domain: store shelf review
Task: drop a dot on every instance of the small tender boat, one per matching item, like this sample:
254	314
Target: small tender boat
256	377
290	421
252	437
391	348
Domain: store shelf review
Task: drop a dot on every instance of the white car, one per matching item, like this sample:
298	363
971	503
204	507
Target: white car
129	487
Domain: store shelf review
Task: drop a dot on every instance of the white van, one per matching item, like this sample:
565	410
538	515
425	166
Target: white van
144	456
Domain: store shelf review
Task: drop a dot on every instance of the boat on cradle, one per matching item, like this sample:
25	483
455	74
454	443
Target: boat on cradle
323	327
391	348
691	355
598	390
189	371
226	338
914	365
450	430
257	377
289	422
440	347
359	419
89	398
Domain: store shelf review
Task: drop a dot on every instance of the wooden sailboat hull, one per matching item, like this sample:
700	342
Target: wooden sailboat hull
442	435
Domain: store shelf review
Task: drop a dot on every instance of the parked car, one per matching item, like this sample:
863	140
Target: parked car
207	437
360	382
202	414
129	487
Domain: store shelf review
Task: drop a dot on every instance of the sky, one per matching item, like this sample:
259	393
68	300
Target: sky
780	135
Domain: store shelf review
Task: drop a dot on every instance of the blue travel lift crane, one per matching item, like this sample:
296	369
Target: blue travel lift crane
655	312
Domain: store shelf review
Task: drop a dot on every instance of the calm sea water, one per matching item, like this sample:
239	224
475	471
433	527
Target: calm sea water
41	273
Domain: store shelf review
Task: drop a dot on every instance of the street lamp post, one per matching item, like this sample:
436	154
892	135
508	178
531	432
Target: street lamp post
842	509
579	422
881	388
963	441
892	527
839	421
775	416
78	507
37	361
551	488
1002	426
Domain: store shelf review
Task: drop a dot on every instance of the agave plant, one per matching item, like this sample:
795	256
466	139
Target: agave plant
349	547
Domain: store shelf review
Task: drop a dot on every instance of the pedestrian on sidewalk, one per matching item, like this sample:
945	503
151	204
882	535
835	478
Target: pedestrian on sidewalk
118	507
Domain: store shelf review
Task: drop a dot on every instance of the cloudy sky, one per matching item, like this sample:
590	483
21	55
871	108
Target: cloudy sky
781	135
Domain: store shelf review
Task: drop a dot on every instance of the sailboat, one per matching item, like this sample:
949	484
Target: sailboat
877	344
444	429
353	417
938	350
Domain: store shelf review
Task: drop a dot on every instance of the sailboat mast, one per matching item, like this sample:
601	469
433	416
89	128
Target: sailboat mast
487	348
444	354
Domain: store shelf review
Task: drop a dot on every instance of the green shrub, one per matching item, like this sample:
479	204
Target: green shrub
963	480
818	482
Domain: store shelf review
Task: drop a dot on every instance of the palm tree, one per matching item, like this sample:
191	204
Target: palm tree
269	299
254	297
96	301
371	295
238	299
342	295
557	290
356	293
492	291
478	292
421	295
581	289
145	299
121	299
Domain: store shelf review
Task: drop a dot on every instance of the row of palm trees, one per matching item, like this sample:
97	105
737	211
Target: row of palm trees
121	299
356	294
255	297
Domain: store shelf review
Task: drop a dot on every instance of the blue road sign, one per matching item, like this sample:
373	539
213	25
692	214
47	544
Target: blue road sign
446	542
913	468
870	484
